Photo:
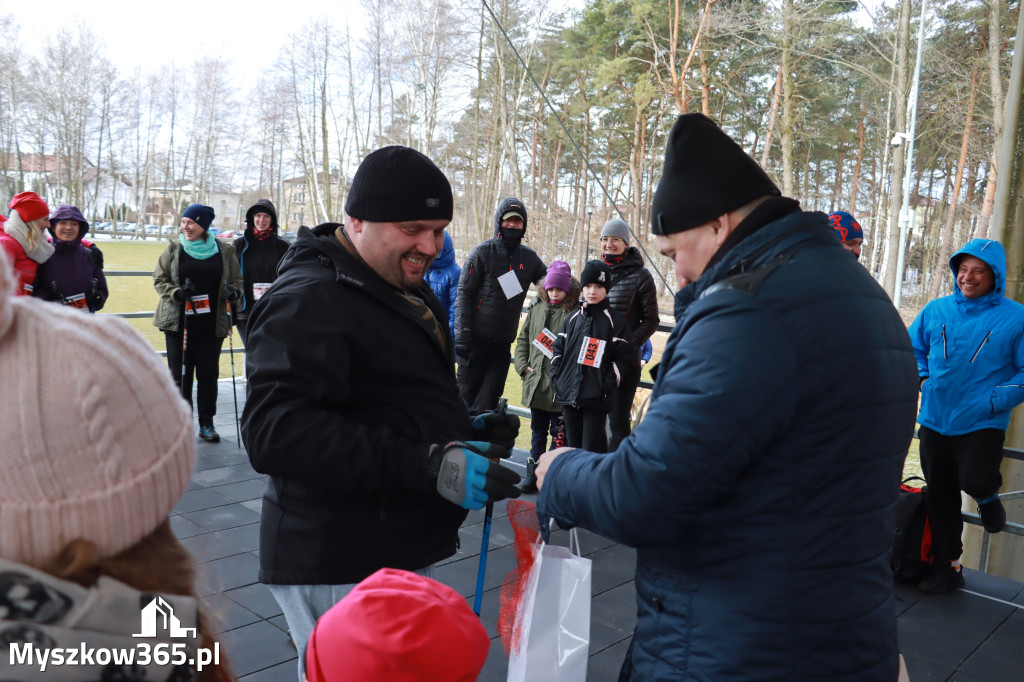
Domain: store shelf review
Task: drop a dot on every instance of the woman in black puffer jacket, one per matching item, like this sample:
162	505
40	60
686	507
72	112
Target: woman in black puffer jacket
259	250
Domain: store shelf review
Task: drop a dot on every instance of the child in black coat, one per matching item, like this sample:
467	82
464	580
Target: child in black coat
583	368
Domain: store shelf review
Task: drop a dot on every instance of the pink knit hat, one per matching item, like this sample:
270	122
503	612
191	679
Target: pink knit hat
95	441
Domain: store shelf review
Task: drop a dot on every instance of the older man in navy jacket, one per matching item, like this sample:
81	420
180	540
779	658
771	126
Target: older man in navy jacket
760	486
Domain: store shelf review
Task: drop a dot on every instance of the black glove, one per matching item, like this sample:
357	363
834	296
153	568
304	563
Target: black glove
93	300
462	351
467	476
230	293
496	427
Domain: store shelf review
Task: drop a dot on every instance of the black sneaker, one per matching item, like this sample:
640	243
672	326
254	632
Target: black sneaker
993	516
942	578
209	434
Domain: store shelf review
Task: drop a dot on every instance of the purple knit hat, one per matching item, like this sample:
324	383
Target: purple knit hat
559	276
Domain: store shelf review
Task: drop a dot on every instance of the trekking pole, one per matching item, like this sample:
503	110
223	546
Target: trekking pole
94	289
485	541
184	338
57	292
234	387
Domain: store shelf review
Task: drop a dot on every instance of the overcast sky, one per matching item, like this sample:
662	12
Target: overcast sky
147	34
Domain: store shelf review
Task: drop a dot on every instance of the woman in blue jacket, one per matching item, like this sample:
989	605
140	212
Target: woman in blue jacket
970	357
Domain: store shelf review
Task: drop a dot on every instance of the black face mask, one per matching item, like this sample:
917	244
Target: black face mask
510	238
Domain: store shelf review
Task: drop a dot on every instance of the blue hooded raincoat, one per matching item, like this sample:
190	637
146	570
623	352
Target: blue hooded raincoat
971	350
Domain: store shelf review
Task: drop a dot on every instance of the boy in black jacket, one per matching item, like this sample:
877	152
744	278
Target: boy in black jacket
583	368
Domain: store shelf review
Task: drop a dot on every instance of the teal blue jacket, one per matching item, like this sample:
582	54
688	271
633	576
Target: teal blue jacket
971	351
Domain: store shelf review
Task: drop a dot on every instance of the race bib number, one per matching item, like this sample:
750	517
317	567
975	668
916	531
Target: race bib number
28	289
76	301
258	289
546	342
510	284
200	305
591	352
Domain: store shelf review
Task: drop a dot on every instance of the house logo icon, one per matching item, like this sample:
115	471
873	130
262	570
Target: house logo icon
158	615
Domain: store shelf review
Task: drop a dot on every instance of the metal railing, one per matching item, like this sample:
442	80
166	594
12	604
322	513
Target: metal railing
973	519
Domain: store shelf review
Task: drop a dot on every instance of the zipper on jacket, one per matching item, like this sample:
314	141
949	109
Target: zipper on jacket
945	356
983	342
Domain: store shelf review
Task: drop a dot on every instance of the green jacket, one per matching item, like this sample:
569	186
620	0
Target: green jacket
165	281
538	391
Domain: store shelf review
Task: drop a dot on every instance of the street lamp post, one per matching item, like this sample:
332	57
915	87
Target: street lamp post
590	212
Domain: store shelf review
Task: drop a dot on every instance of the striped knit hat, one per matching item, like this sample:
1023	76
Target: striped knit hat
95	441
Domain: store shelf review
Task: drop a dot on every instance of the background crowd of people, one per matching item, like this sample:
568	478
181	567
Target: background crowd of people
759	485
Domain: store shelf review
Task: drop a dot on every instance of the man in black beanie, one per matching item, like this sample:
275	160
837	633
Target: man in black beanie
492	288
352	403
758	489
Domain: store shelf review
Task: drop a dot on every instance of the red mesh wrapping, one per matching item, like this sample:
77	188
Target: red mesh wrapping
526	526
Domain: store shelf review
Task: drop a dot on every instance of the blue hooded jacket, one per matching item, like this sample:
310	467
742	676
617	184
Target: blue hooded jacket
443	278
971	350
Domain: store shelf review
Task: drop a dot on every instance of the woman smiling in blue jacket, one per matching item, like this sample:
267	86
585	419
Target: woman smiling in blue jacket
970	357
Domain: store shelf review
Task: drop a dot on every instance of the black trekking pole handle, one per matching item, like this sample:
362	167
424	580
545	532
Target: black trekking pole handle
56	291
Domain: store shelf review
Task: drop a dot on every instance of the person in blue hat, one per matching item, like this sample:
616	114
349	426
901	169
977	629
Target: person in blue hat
849	231
196	277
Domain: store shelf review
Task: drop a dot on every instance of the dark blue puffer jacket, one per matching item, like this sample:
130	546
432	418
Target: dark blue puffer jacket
759	488
443	278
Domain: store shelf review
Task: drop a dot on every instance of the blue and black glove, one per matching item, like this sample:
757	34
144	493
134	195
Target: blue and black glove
467	476
496	427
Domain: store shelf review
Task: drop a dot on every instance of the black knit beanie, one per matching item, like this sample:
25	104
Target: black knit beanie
706	174
595	272
396	184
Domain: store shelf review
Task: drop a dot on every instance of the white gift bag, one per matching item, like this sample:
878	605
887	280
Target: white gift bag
554	617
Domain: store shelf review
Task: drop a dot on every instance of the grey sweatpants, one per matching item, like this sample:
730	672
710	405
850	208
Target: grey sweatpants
304	604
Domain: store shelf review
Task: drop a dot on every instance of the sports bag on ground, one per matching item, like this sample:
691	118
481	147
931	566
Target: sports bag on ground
912	543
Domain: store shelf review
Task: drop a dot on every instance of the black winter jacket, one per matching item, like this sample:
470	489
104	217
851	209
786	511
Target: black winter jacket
634	295
482	313
347	388
259	259
582	385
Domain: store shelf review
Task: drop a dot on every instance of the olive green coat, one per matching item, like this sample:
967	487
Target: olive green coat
165	281
538	391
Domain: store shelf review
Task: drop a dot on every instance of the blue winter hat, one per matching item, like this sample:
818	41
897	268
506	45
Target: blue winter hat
846	226
203	215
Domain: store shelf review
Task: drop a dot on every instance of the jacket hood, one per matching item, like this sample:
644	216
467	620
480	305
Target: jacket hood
506	205
571	301
446	258
261	206
69	212
992	253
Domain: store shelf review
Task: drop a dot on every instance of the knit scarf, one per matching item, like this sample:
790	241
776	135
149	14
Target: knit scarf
200	249
17	228
41	613
262	235
614	258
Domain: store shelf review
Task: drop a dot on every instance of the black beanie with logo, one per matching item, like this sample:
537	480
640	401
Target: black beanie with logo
706	174
596	272
397	184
